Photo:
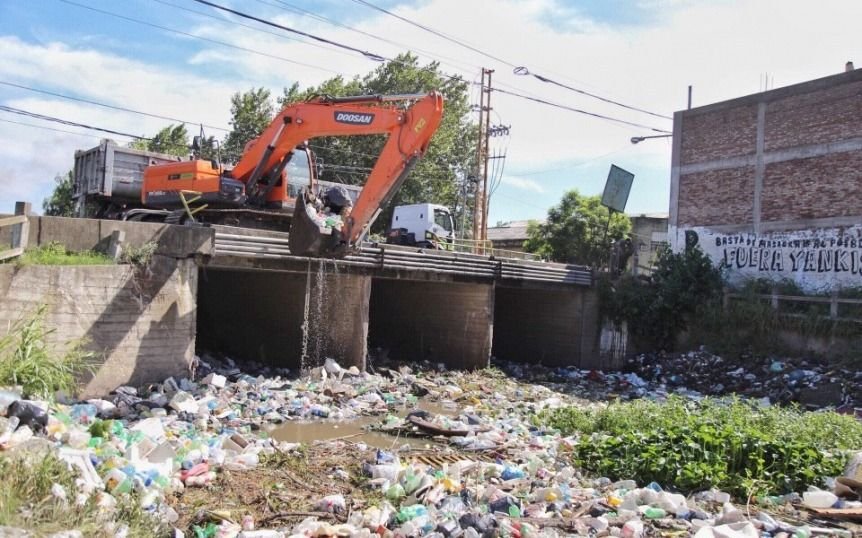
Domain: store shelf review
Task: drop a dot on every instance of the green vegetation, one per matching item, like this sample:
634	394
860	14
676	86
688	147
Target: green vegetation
734	445
60	203
139	256
28	502
27	360
658	308
575	231
56	254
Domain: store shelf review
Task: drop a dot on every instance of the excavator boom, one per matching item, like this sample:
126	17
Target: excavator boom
409	132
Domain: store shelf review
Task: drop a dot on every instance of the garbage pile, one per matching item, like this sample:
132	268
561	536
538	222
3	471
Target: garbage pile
780	380
508	477
699	373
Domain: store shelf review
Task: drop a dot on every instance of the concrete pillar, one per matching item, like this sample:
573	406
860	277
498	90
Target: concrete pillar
553	327
448	322
338	319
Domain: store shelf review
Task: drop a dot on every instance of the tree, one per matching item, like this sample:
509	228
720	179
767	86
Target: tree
60	203
451	155
575	231
251	112
172	140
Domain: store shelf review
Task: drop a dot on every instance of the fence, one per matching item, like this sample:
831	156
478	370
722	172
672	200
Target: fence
780	303
20	231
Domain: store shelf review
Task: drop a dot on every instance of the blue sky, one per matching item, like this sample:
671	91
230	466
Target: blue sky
640	52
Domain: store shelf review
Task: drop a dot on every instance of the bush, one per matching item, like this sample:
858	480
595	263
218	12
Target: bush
27	360
727	444
658	308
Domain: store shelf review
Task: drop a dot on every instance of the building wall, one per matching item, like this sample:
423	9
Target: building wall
778	173
649	234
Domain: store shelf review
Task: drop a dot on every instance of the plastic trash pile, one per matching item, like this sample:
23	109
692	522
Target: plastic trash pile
510	478
699	373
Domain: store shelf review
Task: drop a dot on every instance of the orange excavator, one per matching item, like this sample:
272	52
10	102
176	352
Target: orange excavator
327	225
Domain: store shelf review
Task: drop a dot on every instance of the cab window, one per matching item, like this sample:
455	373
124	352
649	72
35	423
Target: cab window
443	219
298	172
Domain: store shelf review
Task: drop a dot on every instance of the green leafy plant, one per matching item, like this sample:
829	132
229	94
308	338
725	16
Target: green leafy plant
26	359
658	308
731	444
139	256
57	254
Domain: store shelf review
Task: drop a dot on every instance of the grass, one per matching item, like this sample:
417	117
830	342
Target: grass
56	254
27	501
731	444
139	256
26	359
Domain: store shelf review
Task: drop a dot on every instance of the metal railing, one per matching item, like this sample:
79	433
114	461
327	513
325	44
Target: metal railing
20	231
395	258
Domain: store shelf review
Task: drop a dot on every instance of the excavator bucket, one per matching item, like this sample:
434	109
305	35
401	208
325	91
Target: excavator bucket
308	234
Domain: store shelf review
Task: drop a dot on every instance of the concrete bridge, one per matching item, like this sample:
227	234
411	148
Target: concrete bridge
241	292
447	307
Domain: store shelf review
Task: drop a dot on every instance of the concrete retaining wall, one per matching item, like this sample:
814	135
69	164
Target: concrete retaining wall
140	326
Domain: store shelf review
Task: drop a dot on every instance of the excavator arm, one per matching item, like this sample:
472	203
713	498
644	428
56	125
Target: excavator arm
409	132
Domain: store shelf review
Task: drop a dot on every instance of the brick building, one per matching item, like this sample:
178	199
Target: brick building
770	184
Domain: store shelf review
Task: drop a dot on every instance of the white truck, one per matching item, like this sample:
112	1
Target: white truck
422	225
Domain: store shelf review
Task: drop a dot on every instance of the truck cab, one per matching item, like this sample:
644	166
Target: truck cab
423	225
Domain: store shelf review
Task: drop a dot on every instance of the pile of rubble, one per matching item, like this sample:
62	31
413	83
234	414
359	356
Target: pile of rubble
504	476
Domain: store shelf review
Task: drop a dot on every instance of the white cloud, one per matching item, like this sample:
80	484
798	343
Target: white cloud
720	47
522	183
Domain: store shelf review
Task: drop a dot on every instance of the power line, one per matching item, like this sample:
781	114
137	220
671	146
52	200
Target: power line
517	70
433	31
579	111
27	113
114	107
526	72
364	53
296	9
48	128
369	55
215	41
252	28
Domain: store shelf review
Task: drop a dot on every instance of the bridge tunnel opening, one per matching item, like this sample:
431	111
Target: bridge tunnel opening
440	322
262	316
251	316
553	327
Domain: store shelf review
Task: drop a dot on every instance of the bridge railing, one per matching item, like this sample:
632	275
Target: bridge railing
401	258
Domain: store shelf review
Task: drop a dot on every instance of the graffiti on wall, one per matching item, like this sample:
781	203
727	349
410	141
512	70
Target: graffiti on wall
815	259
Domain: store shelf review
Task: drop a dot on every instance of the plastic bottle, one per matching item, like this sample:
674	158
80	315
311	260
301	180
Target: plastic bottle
819	499
116	481
633	528
84	413
411	512
654	513
511	473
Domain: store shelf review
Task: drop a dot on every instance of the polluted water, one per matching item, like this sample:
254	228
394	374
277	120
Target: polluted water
359	430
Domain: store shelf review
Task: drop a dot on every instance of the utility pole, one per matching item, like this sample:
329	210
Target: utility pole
480	209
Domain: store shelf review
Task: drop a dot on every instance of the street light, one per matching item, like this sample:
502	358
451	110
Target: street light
636	139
